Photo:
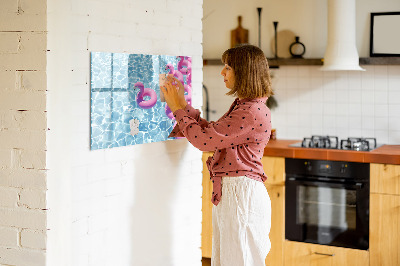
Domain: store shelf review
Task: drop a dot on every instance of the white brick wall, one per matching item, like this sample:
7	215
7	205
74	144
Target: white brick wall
8	197
24	256
33	239
136	205
9	237
23	132
92	195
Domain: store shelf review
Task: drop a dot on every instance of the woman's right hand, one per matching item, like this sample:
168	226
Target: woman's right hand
181	90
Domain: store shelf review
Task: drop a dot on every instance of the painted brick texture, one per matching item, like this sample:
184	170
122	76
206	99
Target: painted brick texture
9	237
117	206
23	126
33	239
109	207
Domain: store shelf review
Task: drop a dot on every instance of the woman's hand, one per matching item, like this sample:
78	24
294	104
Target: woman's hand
174	94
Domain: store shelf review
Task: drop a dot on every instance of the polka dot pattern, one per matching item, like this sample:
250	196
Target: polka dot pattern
238	139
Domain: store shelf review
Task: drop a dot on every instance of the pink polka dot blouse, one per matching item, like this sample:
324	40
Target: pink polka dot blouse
238	139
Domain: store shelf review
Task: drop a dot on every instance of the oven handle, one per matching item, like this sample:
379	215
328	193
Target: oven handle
357	185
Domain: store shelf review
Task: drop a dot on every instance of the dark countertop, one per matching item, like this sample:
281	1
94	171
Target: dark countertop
389	154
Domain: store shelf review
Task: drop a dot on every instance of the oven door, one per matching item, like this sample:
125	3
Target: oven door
327	213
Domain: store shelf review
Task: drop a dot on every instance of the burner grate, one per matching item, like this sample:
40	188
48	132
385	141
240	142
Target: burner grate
332	142
327	142
358	144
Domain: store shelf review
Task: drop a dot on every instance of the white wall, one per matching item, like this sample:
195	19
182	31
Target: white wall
135	205
306	19
343	104
23	133
311	102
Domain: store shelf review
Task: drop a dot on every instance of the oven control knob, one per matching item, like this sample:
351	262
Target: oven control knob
343	168
308	166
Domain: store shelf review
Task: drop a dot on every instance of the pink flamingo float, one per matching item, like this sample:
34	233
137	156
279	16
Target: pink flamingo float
168	112
177	74
184	68
145	104
185	65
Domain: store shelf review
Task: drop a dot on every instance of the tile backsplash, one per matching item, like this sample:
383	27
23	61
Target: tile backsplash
314	102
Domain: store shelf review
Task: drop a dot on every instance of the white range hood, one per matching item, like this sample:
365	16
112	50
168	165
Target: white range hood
341	51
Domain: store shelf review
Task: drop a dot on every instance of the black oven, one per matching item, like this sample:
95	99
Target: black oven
327	202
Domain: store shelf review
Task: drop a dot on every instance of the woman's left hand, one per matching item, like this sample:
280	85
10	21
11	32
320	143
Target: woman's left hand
171	93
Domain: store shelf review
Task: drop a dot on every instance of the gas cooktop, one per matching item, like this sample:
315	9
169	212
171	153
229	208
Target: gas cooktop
332	142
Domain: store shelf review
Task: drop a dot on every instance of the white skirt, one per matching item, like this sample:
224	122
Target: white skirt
241	223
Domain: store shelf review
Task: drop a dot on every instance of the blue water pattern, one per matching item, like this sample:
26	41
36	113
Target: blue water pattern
113	99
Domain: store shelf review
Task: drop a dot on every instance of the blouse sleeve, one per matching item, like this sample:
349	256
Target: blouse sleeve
229	131
193	113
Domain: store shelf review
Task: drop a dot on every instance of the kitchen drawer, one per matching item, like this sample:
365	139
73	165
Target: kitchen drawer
305	254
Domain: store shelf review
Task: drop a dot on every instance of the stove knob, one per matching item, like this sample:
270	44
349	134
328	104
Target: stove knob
343	168
308	166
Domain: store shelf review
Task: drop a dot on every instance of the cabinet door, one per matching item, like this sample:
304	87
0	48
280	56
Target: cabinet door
385	178
206	232
274	168
384	230
304	254
277	233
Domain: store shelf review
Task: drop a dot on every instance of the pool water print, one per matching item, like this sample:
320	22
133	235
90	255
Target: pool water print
126	108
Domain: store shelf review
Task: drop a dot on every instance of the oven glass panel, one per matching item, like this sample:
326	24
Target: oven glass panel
326	207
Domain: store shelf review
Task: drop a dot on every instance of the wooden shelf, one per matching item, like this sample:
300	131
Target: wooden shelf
274	63
380	61
212	62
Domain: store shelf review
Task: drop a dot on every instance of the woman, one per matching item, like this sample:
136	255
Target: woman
242	208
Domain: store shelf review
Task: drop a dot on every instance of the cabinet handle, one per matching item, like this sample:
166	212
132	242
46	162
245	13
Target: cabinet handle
324	254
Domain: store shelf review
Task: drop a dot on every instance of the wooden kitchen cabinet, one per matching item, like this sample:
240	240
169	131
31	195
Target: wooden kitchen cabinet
277	233
274	168
305	254
385	215
384	236
385	178
206	225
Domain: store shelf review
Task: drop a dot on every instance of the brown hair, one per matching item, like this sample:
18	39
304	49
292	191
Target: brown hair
250	66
